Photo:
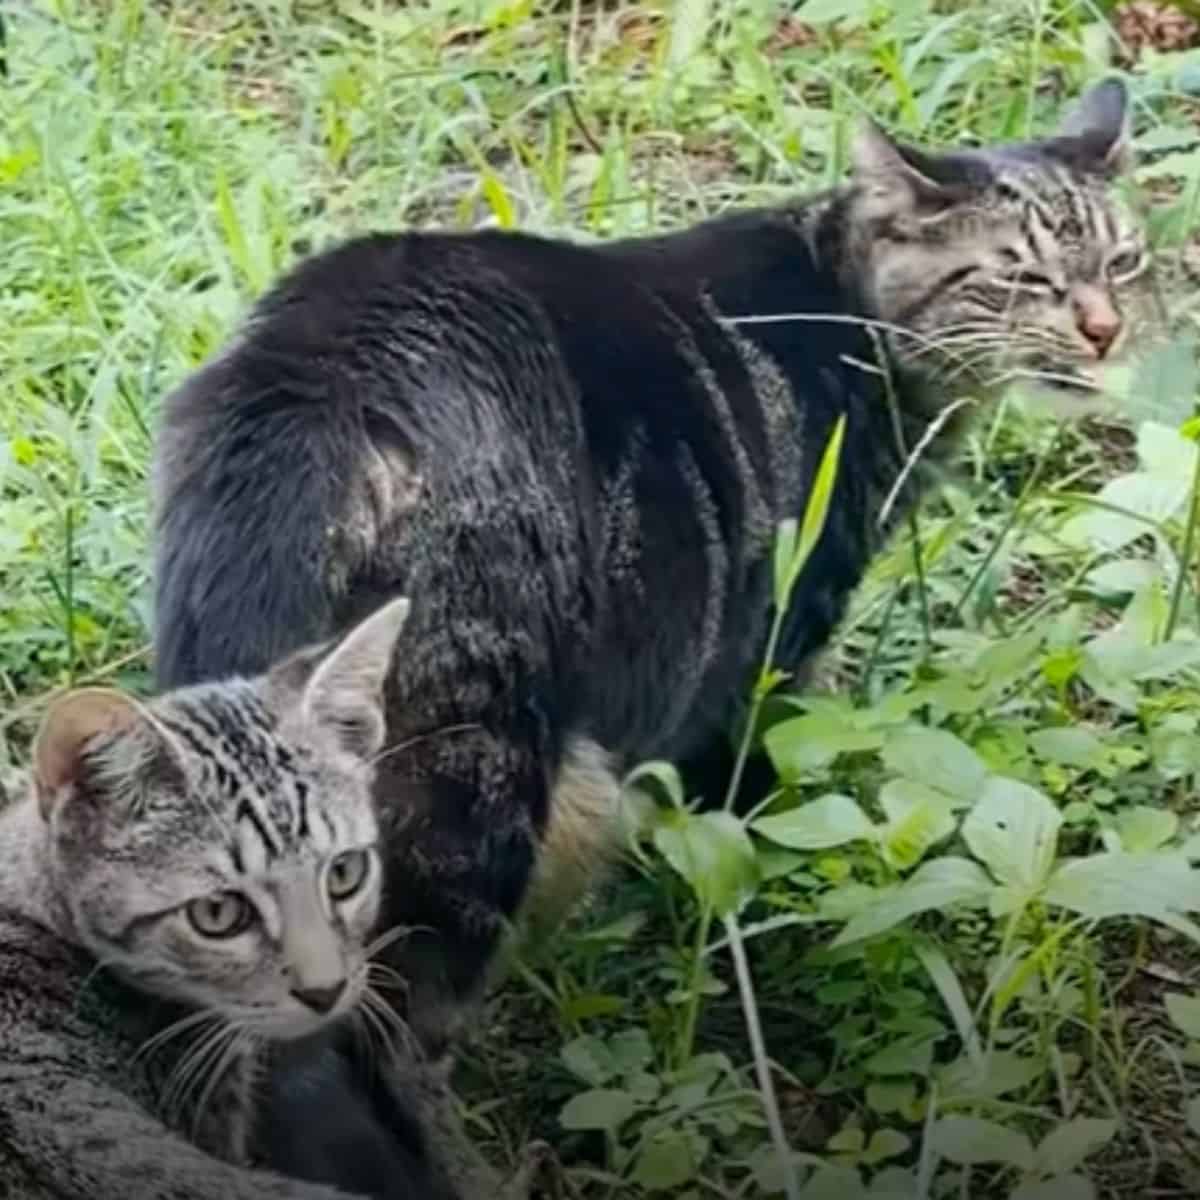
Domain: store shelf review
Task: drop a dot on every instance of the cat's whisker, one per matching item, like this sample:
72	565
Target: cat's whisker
375	1034
387	976
241	1042
408	743
389	937
393	1024
172	1031
191	1067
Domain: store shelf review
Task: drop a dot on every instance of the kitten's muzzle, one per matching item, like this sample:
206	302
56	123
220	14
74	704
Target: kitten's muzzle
323	999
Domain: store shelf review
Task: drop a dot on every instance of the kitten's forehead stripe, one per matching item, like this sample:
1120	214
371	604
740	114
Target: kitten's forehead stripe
246	813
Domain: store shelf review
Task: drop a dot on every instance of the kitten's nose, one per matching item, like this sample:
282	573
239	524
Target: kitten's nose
320	999
1097	319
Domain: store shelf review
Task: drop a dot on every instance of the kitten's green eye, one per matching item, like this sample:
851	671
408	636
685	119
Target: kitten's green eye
1125	264
347	873
221	915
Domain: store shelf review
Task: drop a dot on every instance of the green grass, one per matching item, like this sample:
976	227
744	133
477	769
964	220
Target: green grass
161	163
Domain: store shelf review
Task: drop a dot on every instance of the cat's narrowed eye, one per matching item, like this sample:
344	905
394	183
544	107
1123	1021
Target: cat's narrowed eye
347	873
221	915
1030	279
1126	263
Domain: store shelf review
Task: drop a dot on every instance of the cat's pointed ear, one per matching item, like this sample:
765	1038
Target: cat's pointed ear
897	180
71	725
1095	135
344	694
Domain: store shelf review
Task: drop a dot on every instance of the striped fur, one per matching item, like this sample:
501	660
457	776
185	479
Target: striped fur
573	458
153	1066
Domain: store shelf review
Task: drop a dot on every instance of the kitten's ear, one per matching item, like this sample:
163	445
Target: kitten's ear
898	180
71	724
1095	135
345	691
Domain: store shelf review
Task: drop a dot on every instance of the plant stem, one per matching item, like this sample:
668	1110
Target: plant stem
762	1066
1185	553
691	1012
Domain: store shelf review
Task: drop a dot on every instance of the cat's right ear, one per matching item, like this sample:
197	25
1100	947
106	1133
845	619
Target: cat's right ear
896	180
71	725
344	694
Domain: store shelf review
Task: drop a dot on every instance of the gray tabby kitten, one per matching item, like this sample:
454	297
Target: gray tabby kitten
216	850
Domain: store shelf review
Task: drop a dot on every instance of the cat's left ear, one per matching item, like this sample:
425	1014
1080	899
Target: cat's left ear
62	766
344	693
1094	137
898	180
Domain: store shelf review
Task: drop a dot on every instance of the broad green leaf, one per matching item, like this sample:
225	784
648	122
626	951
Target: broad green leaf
666	1161
1070	1144
971	1141
917	819
631	1050
894	1183
885	1144
1124	575
1122	884
1184	1011
812	742
1144	828
590	1059
664	774
1064	1187
1071	745
831	820
999	1074
713	852
886	1096
1162	449
936	884
602	1108
834	1183
938	759
1134	504
909	1056
1013	830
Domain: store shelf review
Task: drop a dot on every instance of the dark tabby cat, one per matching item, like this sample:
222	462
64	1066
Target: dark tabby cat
573	459
216	851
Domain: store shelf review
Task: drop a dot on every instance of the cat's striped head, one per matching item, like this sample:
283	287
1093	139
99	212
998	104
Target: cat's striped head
1011	261
218	845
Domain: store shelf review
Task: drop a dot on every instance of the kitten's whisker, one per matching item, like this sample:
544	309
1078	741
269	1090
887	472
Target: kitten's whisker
389	1018
176	1094
408	743
387	976
172	1031
385	939
242	1042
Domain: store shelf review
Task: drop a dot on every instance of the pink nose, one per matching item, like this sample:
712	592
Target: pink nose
1097	319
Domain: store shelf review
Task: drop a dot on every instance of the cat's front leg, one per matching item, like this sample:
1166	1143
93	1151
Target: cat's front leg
462	819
